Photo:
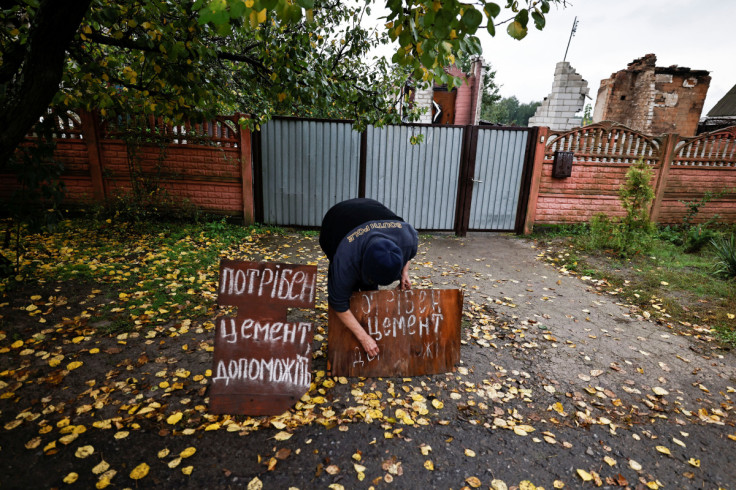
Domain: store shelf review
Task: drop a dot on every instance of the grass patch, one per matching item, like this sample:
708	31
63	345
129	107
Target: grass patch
149	276
666	282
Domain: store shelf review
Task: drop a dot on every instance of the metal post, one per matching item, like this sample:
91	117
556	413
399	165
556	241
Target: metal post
572	33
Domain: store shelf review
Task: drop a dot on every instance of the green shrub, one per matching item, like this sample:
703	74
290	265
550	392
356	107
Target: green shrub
634	233
603	232
670	234
725	248
157	205
697	237
636	195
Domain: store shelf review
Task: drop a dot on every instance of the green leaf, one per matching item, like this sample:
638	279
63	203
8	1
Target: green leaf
472	19
516	30
538	20
427	20
305	4
492	10
427	58
236	10
295	14
545	6
522	18
405	38
443	21
110	14
491	28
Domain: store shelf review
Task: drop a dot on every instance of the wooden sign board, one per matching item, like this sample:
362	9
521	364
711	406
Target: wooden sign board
417	332
262	362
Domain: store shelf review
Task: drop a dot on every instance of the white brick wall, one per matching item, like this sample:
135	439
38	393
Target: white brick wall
559	109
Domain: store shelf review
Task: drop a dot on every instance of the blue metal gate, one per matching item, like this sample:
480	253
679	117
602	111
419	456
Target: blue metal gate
458	178
499	165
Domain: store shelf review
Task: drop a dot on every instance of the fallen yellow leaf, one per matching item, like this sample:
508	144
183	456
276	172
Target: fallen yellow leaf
498	485
610	461
282	436
71	478
68	438
73	365
102	467
634	465
470	453
103	482
188	452
187	470
473	481
140	471
33	443
255	484
694	462
664	450
558	484
163	453
519	431
585	475
429	465
174	418
84	451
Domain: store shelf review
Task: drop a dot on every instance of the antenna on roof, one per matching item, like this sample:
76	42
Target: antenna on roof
572	33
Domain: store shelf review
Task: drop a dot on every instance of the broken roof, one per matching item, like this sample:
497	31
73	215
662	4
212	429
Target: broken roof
726	106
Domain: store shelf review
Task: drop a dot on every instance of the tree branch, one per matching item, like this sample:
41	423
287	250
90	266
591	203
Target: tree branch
37	79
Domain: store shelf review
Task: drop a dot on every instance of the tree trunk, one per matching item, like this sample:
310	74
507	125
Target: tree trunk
30	90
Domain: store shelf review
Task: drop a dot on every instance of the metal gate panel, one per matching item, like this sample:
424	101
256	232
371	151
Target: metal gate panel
417	182
308	166
499	164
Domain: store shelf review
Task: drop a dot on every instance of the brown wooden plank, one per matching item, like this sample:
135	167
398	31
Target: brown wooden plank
262	363
417	332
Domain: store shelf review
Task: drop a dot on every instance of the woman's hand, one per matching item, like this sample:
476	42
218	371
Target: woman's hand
369	345
366	341
405	282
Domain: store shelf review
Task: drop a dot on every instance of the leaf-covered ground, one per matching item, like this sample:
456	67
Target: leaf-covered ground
106	355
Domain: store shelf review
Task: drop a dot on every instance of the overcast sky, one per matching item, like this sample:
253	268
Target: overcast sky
699	34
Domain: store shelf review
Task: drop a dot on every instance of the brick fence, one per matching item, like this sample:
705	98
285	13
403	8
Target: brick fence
211	165
207	164
684	170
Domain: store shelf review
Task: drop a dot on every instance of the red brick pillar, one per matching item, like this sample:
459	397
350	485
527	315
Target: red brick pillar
91	134
246	173
531	211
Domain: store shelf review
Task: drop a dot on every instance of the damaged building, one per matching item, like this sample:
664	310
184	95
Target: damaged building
652	99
